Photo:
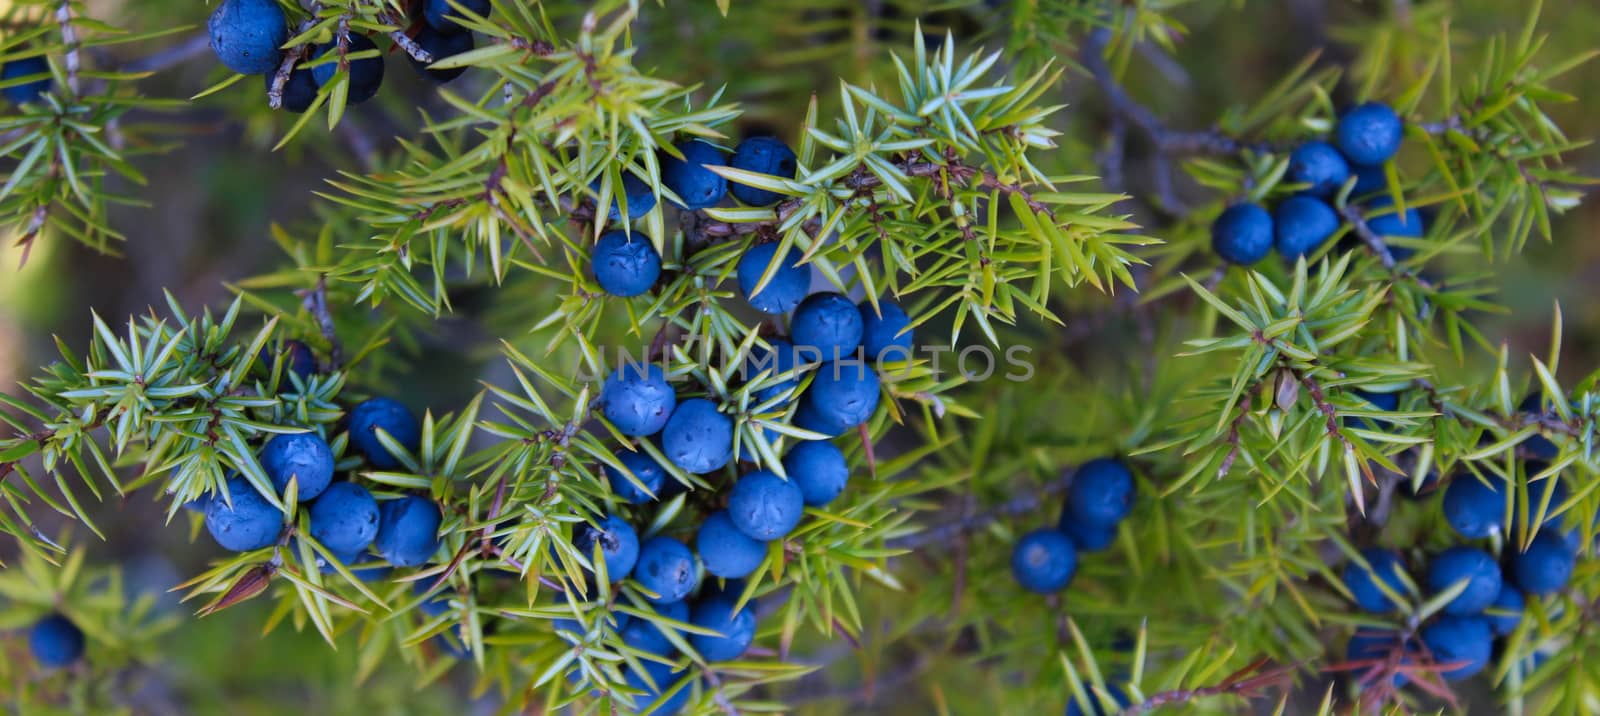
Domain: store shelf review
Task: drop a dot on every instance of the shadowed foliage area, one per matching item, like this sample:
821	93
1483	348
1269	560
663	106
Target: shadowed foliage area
802	356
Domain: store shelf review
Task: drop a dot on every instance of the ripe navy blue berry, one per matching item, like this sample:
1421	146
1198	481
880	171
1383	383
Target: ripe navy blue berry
644	635
697	186
247	35
827	323
408	530
26	67
1097	707
637	399
787	287
1376	645
665	678
1551	491
366	73
296	356
1319	166
1407	224
886	335
1300	224
1085	536
55	642
644	468
1537	446
666	568
736	628
1474	510
781	358
1476	567
819	469
1369	179
1044	561
625	266
764	506
250	523
726	551
393	418
842	396
1454	639
619	545
697	437
441	45
1242	234
1386	402
1368	134
640	198
435	606
345	518
806	417
1101	492
1547	564
437	13
305	457
299	92
1506	611
763	155
1383	566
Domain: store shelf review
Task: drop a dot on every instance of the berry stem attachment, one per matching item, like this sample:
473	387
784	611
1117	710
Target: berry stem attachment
315	302
404	41
291	58
1374	242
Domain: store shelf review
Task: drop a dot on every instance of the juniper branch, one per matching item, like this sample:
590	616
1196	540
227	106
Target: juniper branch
167	58
1025	504
404	41
1166	139
69	37
292	57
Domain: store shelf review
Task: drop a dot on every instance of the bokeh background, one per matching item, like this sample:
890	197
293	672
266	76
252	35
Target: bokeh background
214	196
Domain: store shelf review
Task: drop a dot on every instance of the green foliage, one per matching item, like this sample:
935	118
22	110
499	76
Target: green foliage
941	174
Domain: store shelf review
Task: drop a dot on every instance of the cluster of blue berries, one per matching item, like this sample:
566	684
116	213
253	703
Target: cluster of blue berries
1365	139
695	187
248	37
343	516
627	265
730	543
1100	497
832	339
826	330
1493	593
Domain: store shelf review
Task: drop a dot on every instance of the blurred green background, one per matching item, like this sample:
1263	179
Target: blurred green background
215	194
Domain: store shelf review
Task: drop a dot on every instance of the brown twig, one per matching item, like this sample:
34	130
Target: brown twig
1168	141
1374	242
291	58
404	41
1250	682
69	37
315	302
1233	434
970	523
